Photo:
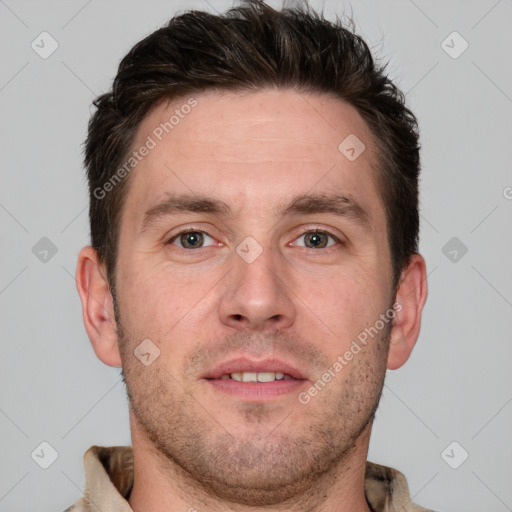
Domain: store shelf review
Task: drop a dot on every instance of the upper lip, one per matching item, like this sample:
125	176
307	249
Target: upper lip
243	364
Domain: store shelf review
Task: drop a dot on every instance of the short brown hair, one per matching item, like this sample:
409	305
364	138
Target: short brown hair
251	47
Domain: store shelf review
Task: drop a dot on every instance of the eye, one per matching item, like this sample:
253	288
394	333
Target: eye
189	239
317	240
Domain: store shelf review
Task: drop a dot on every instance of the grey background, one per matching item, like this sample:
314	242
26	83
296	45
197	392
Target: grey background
457	384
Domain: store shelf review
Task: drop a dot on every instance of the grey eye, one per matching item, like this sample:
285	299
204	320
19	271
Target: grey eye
316	240
191	239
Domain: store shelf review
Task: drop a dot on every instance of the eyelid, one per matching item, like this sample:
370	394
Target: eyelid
304	230
190	229
320	229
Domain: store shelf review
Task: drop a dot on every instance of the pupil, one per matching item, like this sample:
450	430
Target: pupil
315	239
190	240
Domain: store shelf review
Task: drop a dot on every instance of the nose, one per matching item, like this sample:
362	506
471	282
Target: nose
258	295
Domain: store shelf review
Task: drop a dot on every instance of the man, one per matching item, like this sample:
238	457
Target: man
253	268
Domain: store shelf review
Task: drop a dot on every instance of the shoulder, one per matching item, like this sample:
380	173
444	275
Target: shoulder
387	489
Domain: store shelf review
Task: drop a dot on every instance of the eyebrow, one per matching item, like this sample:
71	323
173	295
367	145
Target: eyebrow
337	204
175	205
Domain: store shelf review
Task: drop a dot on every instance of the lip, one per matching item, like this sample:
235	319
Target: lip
255	391
243	364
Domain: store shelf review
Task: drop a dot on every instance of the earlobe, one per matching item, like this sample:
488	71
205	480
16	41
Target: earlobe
97	307
410	299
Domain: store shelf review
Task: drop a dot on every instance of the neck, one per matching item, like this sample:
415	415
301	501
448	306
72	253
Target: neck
161	484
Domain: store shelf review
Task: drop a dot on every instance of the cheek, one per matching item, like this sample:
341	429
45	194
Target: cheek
158	302
349	301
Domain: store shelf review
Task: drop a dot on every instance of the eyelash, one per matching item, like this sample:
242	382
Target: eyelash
325	232
305	232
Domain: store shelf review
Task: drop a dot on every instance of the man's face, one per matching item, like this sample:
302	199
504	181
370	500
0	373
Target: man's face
254	283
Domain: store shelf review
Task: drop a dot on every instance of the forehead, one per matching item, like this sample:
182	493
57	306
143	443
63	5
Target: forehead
229	120
266	144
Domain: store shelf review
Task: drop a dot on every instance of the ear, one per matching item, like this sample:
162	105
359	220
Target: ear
410	299
97	307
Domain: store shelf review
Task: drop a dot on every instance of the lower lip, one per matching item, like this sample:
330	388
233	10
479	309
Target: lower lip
257	391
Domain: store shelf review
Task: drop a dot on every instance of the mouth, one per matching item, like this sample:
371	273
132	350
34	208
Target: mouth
255	381
256	376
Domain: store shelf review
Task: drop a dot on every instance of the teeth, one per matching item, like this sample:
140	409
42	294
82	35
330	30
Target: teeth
249	377
256	377
266	376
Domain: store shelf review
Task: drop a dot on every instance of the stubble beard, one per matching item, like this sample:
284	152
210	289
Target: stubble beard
277	467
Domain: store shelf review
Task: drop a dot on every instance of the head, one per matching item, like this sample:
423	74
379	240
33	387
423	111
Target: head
250	48
291	158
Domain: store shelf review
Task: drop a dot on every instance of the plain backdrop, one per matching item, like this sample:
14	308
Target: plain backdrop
452	400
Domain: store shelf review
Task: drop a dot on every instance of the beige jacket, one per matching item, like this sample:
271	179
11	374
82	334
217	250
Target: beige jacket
109	481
